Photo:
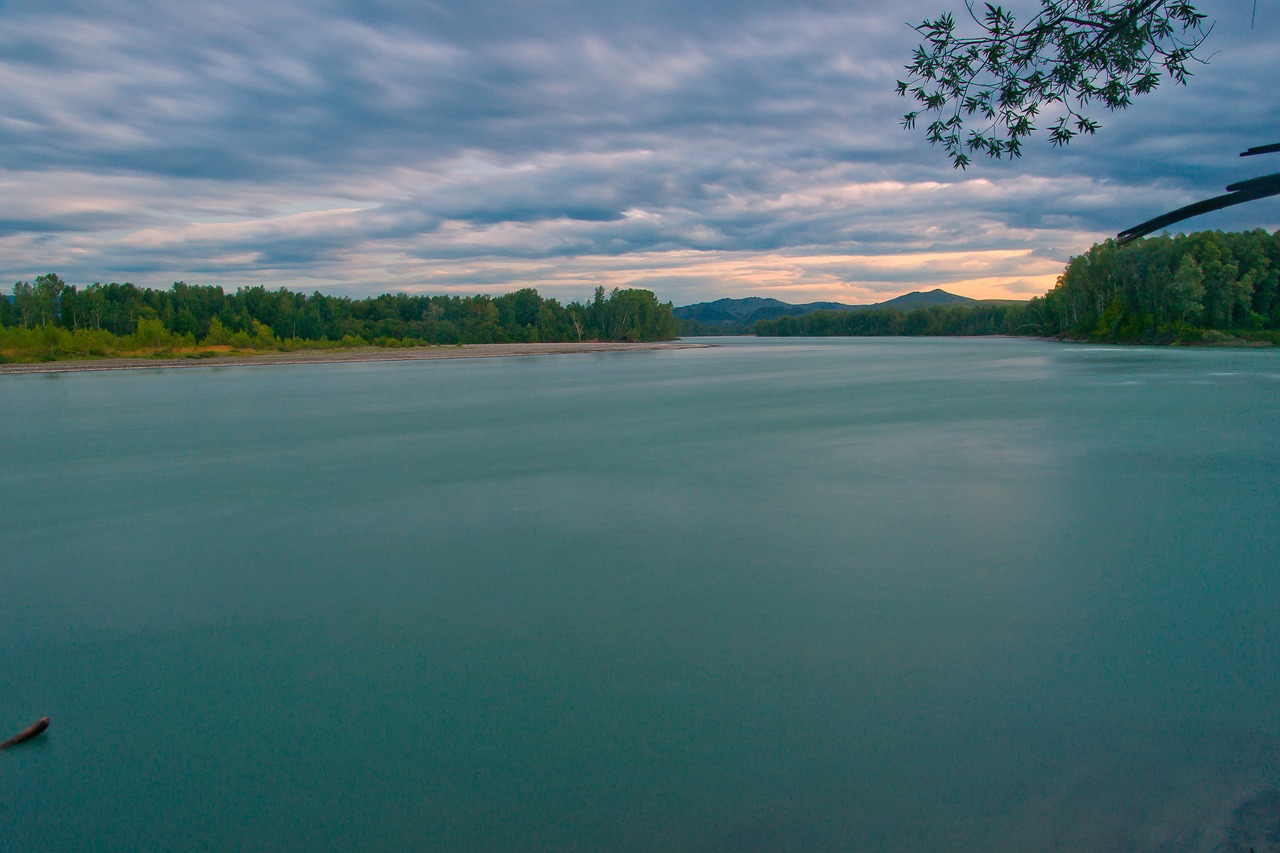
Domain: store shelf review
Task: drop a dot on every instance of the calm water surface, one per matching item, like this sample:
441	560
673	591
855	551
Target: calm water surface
776	595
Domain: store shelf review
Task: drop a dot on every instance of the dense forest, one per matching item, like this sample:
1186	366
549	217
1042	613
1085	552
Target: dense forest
49	318
938	320
1209	286
1163	289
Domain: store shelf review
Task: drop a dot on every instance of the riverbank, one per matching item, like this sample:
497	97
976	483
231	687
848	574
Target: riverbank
361	354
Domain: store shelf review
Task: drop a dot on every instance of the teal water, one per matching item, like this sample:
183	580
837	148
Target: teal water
775	595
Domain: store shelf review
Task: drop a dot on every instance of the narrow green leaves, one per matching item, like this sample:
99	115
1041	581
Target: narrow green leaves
985	91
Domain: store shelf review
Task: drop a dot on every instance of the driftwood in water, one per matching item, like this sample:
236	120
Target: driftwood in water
28	733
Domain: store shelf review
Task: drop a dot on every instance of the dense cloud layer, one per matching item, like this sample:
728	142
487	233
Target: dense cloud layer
698	148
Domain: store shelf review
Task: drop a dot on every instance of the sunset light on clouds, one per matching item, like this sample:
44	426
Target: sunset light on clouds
700	150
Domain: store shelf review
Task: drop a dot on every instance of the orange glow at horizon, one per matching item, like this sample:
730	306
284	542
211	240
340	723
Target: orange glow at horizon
688	275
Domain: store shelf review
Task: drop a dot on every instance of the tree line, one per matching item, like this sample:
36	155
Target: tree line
55	318
1208	285
937	320
1164	289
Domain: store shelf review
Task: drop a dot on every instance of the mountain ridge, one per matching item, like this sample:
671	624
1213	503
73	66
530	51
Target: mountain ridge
740	314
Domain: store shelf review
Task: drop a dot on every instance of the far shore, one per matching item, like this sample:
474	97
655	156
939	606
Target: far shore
361	354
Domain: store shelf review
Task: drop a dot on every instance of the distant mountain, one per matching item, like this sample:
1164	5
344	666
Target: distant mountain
737	315
921	299
728	312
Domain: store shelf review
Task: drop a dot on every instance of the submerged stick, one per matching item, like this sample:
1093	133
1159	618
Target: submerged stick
28	733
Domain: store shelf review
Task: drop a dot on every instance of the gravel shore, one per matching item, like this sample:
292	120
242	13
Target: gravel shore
346	355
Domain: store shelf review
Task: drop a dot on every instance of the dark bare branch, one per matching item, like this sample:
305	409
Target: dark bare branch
1238	193
1261	149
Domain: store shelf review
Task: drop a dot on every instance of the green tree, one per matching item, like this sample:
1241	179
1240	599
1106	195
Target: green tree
8	313
47	290
1186	289
986	88
217	334
152	334
24	302
1223	293
263	338
93	305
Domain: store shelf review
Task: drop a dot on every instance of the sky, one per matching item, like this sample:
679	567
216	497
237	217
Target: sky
697	148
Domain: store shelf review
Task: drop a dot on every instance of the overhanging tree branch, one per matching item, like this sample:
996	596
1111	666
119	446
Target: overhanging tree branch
1237	193
1261	149
1071	58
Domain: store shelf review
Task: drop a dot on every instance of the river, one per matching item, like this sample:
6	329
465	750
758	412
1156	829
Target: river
787	594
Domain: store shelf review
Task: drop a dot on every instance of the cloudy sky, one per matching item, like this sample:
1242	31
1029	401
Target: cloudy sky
697	148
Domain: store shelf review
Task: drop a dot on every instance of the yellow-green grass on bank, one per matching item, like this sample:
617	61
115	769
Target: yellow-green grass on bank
51	343
225	356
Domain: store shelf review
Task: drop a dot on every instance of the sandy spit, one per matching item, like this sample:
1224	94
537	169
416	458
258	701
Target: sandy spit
343	356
